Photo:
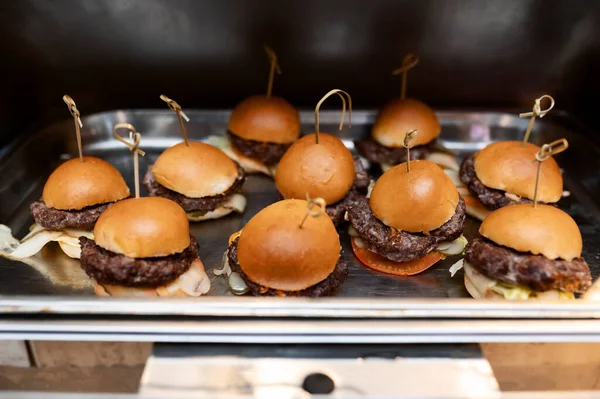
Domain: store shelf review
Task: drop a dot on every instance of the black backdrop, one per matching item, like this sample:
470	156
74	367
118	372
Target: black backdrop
111	54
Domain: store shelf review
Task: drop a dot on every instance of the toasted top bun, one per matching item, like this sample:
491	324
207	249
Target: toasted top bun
543	230
323	170
508	166
417	201
75	185
401	116
143	228
275	252
262	118
198	170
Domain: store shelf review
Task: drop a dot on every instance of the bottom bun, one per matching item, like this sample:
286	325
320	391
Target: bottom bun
194	282
477	212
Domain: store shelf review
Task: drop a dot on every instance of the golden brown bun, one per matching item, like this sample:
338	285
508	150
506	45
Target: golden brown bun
75	185
262	118
275	253
417	201
544	230
400	116
143	228
508	166
323	170
198	170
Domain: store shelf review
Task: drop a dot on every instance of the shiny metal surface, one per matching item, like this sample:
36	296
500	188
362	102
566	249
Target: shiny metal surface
57	284
350	371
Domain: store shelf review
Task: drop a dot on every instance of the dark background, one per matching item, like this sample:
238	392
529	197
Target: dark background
475	54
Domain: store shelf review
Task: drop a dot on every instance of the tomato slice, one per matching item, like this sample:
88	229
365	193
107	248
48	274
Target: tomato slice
384	265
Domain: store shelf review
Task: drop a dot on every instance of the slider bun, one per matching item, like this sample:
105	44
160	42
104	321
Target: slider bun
400	116
417	201
75	185
323	170
196	171
508	166
543	230
274	252
143	228
266	119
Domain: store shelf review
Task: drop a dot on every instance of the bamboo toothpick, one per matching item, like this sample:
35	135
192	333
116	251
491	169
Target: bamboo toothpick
274	68
546	152
133	146
408	62
77	119
318	107
180	115
320	202
408	143
537	111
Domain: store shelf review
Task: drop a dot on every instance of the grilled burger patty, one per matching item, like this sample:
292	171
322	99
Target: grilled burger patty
107	267
491	198
376	152
401	246
204	204
323	288
533	271
265	152
52	218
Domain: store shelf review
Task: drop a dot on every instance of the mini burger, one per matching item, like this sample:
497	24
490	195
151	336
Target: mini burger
74	197
503	173
260	130
282	252
143	247
412	220
326	170
522	252
200	178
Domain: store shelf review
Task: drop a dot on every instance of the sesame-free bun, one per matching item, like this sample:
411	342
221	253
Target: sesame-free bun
510	167
75	185
266	119
418	201
275	252
324	170
198	170
543	230
400	116
143	228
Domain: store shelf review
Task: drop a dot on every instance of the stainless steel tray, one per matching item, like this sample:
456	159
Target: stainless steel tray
57	285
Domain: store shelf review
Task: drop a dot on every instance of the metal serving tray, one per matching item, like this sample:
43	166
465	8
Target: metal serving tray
57	285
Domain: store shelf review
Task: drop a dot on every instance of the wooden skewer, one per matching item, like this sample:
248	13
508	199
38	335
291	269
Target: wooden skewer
408	62
77	119
133	146
318	107
274	68
409	139
180	115
546	152
537	111
320	202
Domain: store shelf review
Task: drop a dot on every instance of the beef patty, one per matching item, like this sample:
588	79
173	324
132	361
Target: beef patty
52	218
491	198
376	152
533	271
265	152
204	204
108	267
397	245
323	288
